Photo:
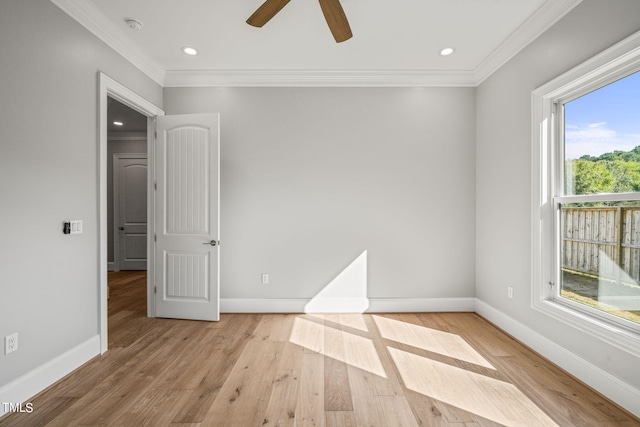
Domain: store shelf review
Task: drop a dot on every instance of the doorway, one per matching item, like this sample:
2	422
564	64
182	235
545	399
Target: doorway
110	89
126	188
127	207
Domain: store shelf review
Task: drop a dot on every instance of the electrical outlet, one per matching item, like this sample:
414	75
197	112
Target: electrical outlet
265	278
510	292
10	343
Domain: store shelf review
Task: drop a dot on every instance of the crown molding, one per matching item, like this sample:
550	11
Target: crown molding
318	78
543	18
92	19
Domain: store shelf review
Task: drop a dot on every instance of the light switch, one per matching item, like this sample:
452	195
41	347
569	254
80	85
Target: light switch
76	226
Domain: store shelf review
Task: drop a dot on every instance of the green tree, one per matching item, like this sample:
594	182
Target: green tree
620	172
616	172
587	177
631	170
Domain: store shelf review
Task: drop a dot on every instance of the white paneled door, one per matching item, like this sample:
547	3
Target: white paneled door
130	213
187	217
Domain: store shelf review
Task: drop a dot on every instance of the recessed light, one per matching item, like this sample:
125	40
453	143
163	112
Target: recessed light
189	51
447	51
118	123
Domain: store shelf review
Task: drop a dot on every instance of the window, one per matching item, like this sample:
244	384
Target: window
586	196
598	199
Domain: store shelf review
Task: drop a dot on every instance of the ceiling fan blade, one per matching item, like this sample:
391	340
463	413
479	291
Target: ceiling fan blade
264	13
336	19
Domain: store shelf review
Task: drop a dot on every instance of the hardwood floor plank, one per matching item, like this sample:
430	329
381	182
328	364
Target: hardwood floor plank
337	393
340	419
427	369
282	329
310	407
196	407
121	390
397	411
157	407
366	403
308	332
283	401
390	384
43	413
244	395
236	336
425	410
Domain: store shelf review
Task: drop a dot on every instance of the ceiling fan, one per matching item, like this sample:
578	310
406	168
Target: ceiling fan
332	10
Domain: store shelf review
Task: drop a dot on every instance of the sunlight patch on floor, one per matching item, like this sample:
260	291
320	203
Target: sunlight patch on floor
345	347
444	343
350	320
481	395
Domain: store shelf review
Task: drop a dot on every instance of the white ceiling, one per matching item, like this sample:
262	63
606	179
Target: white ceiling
395	43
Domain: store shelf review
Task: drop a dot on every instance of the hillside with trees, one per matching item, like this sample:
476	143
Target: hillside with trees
615	172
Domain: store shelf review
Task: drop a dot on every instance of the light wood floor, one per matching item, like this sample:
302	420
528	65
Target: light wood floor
436	369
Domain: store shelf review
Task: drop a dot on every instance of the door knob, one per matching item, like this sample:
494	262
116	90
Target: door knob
212	243
121	228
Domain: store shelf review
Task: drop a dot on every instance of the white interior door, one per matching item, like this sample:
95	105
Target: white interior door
187	217
130	211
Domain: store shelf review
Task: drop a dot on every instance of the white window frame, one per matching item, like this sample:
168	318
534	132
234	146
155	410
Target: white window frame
614	63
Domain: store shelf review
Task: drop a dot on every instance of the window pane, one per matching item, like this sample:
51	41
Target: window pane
600	256
602	140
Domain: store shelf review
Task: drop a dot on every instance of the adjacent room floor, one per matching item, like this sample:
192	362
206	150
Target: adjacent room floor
427	369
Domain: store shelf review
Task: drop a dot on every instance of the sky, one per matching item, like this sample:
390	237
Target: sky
605	120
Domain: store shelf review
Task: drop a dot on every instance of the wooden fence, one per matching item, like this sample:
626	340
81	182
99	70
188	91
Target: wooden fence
603	241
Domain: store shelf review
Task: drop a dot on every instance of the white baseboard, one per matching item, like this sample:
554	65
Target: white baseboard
25	387
420	305
259	305
111	266
373	305
612	387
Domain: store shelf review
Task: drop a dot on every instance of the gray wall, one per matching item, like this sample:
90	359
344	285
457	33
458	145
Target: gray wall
503	191
311	178
48	174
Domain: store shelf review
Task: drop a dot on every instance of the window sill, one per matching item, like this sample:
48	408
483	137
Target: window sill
600	329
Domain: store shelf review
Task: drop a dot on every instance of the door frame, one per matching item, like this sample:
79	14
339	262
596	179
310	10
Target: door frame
108	87
116	203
